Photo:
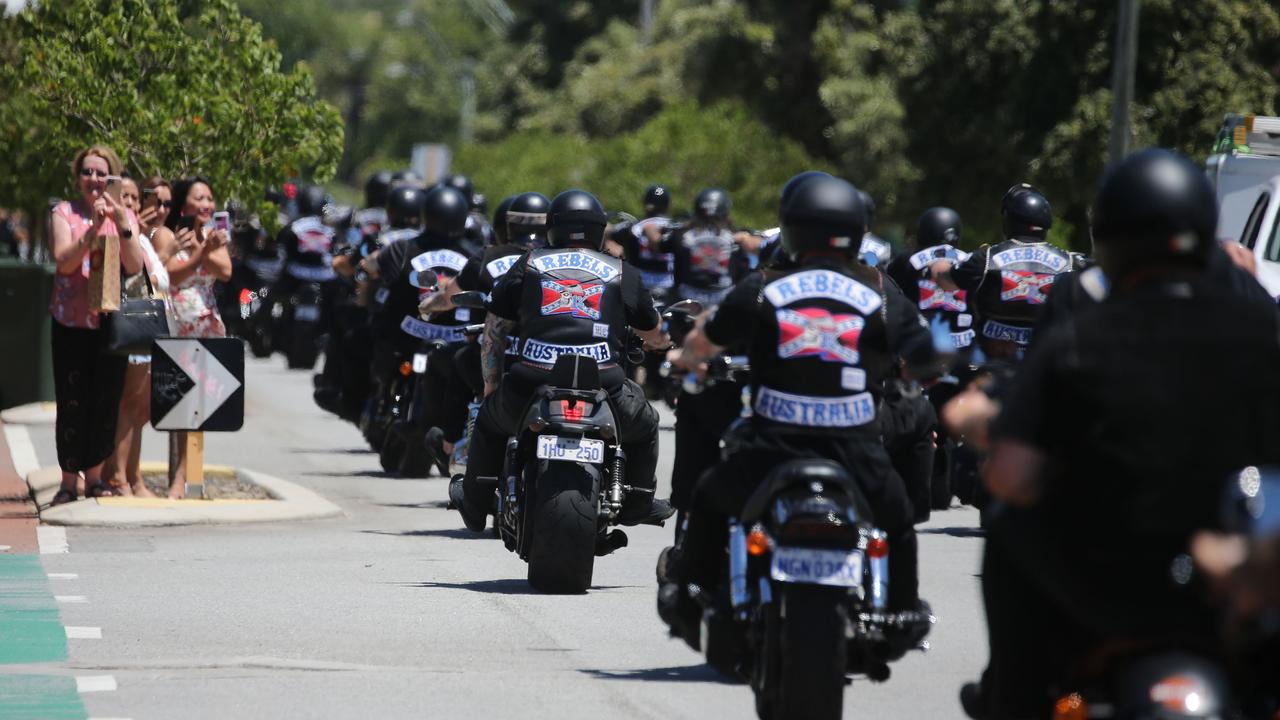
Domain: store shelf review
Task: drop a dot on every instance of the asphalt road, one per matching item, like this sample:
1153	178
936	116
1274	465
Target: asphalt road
395	611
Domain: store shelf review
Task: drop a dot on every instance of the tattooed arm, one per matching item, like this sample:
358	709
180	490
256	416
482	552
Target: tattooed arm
493	350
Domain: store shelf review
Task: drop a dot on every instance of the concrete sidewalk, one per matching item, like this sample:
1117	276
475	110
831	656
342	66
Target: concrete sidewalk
289	501
18	513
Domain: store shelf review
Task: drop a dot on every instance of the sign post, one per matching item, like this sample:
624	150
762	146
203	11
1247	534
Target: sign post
197	385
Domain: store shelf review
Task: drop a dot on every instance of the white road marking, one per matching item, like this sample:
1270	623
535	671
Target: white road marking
71	599
95	683
21	450
83	633
63	576
53	540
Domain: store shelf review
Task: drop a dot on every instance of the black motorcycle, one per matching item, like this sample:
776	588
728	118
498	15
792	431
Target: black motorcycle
564	477
804	602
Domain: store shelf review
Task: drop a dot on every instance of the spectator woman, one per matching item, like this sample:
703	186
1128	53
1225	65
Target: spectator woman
87	381
198	258
124	474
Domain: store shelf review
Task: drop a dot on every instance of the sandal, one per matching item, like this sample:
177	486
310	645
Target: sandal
101	490
63	497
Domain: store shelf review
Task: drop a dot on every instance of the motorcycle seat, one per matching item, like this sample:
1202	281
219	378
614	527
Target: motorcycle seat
803	472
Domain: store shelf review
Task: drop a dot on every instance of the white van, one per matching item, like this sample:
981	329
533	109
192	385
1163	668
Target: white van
1245	172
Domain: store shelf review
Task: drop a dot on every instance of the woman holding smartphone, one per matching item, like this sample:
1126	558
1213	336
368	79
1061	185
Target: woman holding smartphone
198	258
152	205
87	381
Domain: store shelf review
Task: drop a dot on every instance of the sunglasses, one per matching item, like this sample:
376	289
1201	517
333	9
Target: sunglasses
90	172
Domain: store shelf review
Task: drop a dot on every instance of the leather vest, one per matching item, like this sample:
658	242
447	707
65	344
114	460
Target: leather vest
657	268
702	268
443	262
1015	286
572	304
911	272
821	358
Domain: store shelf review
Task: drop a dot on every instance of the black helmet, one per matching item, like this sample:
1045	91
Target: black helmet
795	182
869	207
404	207
1155	205
408	177
445	212
576	219
527	220
500	219
462	184
712	204
375	189
1024	212
823	213
657	200
938	226
311	200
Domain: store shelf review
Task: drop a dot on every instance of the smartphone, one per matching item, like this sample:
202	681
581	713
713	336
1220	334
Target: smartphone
222	221
114	188
187	221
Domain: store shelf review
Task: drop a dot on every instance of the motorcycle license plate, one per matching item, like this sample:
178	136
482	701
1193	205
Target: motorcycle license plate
307	313
419	363
554	447
816	567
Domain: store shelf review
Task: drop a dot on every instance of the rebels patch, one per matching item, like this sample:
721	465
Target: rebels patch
933	297
1025	286
498	268
577	298
574	260
313	235
814	332
823	284
440	260
1041	255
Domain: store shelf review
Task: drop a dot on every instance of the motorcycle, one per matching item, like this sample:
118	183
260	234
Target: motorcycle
804	601
564	476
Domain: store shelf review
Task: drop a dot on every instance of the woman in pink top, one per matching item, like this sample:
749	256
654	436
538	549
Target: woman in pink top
198	258
87	381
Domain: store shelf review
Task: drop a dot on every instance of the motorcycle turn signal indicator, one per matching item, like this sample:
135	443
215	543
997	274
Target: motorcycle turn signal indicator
878	547
1071	707
757	542
406	369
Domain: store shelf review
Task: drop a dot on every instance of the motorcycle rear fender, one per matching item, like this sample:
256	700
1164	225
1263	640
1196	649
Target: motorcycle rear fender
835	481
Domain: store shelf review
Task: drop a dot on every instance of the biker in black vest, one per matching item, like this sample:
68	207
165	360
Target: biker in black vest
520	225
1009	282
395	320
822	337
1112	434
568	298
641	242
704	250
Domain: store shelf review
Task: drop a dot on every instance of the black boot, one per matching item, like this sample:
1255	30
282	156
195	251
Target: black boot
475	521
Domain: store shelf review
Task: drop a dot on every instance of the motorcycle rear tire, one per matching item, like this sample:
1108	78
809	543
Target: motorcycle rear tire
812	655
562	538
391	452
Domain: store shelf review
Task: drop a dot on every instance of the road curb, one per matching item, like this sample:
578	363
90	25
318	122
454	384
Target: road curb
290	502
41	413
17	511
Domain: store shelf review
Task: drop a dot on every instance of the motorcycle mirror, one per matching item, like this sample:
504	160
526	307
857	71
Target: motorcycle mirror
687	307
472	299
424	279
1251	502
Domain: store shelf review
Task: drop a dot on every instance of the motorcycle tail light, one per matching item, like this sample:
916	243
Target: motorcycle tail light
818	530
877	547
1180	694
246	296
574	410
406	369
757	542
1071	707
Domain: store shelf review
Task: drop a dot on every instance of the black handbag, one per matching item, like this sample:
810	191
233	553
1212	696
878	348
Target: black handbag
139	321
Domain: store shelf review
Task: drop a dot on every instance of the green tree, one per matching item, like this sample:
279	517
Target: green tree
176	87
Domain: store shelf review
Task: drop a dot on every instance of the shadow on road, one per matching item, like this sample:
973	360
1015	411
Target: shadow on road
504	586
331	451
960	532
358	474
442	504
458	533
685	673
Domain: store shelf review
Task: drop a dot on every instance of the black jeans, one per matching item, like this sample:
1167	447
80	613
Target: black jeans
446	394
723	491
503	411
701	421
87	384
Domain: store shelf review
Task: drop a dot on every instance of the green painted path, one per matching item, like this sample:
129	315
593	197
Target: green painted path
31	632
